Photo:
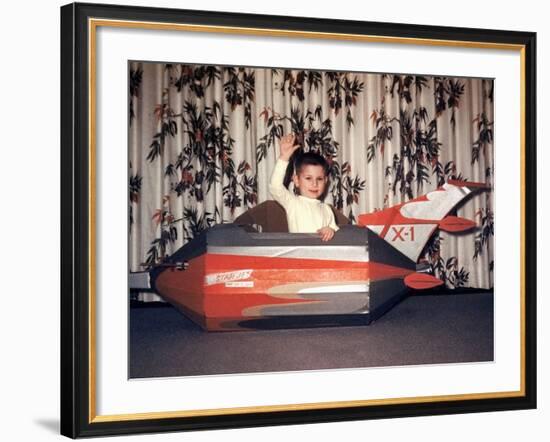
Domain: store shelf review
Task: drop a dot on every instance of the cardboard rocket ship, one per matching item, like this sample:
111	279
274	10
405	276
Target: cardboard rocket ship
232	277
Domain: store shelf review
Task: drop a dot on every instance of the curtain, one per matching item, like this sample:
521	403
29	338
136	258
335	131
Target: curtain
203	141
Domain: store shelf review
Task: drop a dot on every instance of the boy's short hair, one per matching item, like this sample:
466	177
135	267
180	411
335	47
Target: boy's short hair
309	159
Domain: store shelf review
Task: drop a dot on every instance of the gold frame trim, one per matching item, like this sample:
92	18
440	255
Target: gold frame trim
93	24
305	406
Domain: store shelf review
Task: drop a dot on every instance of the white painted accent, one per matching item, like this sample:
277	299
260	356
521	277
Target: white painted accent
439	203
343	288
240	284
218	278
409	248
324	252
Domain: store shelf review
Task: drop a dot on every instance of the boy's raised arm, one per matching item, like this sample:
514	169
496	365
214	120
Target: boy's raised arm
276	187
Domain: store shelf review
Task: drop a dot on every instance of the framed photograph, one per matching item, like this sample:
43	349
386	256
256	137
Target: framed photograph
173	124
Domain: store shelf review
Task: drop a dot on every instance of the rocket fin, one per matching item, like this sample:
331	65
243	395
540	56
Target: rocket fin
456	224
422	281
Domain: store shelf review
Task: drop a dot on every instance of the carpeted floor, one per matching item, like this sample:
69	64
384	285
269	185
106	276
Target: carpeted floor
423	329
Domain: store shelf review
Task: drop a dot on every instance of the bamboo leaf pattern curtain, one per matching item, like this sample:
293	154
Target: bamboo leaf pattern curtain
203	141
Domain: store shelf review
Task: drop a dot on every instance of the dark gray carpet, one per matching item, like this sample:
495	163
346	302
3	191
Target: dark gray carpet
423	329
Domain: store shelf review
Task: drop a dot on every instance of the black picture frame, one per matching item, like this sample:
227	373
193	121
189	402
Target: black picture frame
78	418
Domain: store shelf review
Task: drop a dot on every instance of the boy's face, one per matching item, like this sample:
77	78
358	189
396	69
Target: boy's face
311	181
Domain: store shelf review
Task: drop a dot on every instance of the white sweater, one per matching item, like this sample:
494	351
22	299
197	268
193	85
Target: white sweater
303	215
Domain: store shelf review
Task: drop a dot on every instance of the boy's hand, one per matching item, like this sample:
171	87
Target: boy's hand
287	146
326	233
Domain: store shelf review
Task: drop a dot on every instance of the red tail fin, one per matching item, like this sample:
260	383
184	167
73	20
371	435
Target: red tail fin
422	281
456	224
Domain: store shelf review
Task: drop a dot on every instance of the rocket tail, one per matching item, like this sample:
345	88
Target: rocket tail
409	226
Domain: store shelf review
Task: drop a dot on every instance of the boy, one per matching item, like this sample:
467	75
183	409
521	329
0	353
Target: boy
304	212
